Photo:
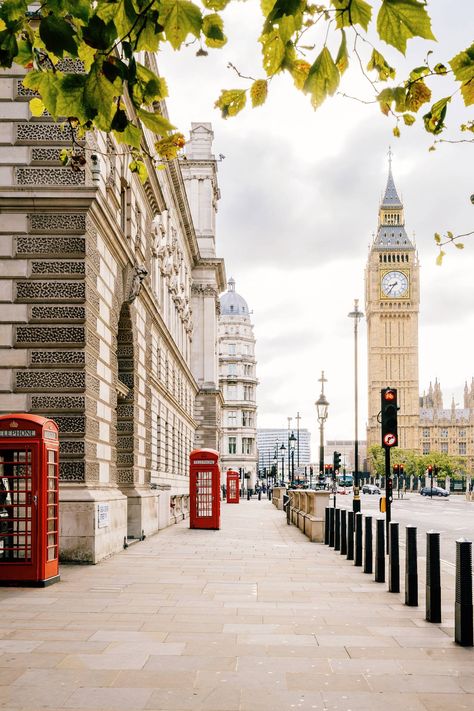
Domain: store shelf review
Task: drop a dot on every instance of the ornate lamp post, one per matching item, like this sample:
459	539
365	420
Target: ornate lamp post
291	444
356	315
322	406
282	452
275	468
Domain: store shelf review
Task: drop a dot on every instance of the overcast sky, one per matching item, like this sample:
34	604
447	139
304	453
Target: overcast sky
300	196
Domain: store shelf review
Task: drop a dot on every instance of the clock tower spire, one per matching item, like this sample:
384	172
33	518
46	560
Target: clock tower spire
392	296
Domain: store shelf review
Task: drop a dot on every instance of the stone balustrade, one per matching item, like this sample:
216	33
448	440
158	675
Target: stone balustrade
277	496
307	509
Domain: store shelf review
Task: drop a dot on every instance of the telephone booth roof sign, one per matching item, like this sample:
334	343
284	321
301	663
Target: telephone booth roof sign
16	426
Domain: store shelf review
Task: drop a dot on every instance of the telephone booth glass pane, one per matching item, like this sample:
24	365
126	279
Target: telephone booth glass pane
204	494
16	505
52	508
233	491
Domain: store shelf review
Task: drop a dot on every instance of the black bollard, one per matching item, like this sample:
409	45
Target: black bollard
380	551
350	535
248	494
433	577
337	529
394	560
326	525
411	568
343	532
358	539
331	527
368	545
463	605
260	495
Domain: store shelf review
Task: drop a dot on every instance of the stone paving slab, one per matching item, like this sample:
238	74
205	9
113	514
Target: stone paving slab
252	617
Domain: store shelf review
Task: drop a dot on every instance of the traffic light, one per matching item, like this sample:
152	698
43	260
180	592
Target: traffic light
396	469
389	489
337	461
389	411
430	471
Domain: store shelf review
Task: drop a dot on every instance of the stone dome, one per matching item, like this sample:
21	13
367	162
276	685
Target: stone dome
232	304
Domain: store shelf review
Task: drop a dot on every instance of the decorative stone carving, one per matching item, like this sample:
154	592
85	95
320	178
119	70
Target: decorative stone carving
125	444
23	91
71	471
58	402
124	410
50	380
50	291
70	66
127	379
140	273
58	313
71	447
204	290
65	176
39	132
45	155
70	423
72	358
54	222
44	267
124	476
50	334
42	246
125	458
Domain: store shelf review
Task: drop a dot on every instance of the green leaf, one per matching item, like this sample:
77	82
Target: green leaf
215	4
287	26
100	95
273	50
138	166
231	102
379	64
323	78
258	92
24	56
463	67
342	59
180	18
434	119
131	135
356	12
155	122
152	87
99	34
440	68
408	119
8	48
400	20
49	87
212	27
439	258
12	10
70	98
419	72
58	35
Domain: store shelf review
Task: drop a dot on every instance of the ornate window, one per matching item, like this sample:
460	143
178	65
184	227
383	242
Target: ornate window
443	432
426	432
444	447
232	445
462	448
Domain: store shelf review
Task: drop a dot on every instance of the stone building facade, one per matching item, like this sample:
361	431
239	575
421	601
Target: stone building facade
108	309
238	382
392	291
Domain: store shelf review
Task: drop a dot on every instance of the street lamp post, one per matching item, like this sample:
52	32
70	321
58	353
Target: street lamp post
322	410
356	315
282	452
291	444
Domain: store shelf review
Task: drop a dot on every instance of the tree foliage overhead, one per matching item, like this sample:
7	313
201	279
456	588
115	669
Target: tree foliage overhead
312	43
417	464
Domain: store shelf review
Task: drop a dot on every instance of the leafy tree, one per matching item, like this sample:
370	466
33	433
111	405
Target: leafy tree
312	43
417	464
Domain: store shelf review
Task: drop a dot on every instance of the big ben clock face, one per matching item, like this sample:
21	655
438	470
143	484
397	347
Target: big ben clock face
395	284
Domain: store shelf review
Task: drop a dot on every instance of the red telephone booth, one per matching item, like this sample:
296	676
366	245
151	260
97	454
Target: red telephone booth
29	447
204	489
233	485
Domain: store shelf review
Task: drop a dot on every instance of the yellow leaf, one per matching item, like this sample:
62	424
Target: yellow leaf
37	107
396	132
459	245
258	92
439	258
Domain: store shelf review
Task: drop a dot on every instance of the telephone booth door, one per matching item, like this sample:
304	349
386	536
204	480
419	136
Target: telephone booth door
204	489
233	485
28	500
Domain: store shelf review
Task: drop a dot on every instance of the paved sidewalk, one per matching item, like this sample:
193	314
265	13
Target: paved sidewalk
249	618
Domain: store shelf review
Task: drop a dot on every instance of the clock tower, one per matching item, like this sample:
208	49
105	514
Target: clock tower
392	297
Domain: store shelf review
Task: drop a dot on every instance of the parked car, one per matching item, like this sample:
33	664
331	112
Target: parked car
437	491
370	489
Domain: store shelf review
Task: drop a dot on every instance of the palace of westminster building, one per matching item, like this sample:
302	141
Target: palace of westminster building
392	302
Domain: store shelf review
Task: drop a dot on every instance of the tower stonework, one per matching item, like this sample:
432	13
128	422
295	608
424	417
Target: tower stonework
392	297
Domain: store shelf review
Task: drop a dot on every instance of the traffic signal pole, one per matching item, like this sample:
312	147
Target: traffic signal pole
388	496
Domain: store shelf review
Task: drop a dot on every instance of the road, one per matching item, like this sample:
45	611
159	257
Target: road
453	517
